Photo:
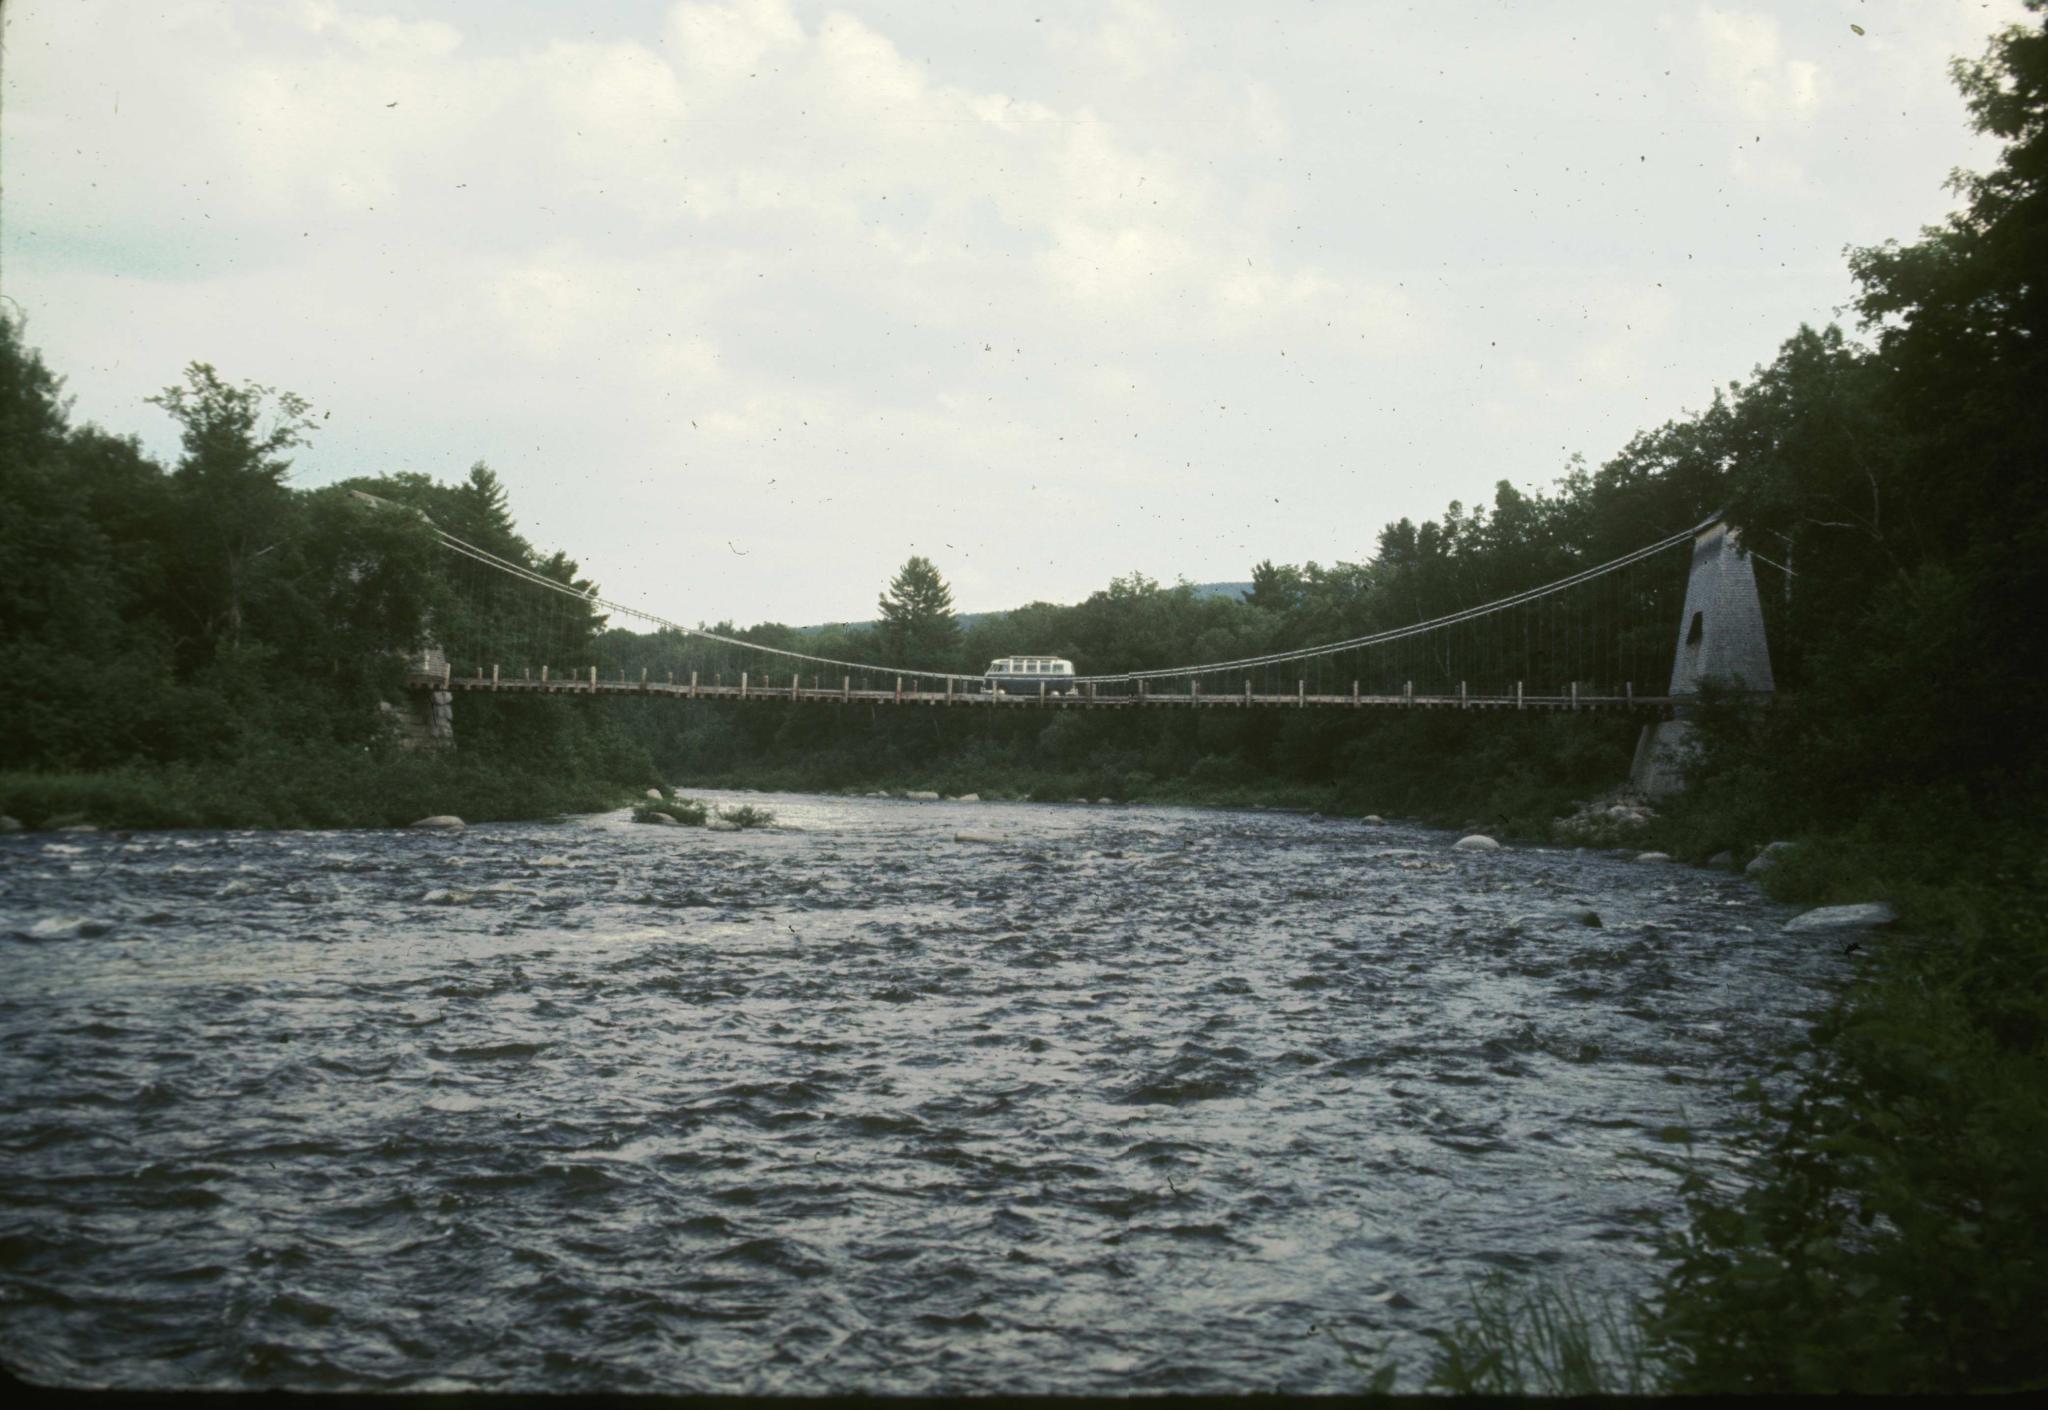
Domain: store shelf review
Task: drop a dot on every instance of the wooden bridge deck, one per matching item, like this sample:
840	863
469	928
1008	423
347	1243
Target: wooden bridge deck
1128	698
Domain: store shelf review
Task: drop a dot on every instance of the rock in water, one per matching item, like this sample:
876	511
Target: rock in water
446	821
922	795
1653	856
1556	920
659	819
1721	859
968	798
1826	920
1477	842
1768	858
67	928
1372	818
718	824
975	837
8	824
655	794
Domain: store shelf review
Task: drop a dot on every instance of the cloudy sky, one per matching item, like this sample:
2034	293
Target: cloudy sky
749	301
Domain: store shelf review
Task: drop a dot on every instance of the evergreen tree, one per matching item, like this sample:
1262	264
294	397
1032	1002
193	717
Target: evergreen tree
918	628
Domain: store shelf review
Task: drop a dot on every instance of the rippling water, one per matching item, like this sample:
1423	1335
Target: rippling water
1119	1100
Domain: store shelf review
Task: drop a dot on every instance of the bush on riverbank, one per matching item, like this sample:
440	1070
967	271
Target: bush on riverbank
1445	767
1542	1340
1893	1236
308	787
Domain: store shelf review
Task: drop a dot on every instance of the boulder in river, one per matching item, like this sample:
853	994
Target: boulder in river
78	827
1476	842
68	928
8	824
1721	859
1105	800
1374	818
655	794
1772	854
1653	856
715	823
1826	920
968	798
658	819
446	822
975	837
1564	919
922	795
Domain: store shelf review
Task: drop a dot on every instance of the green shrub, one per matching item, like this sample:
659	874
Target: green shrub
1542	1341
686	811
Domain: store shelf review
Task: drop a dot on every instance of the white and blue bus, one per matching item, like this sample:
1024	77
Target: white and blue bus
1023	675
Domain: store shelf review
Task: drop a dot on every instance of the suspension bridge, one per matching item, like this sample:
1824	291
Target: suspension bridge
1597	639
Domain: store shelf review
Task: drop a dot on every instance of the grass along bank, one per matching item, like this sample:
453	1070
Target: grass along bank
305	788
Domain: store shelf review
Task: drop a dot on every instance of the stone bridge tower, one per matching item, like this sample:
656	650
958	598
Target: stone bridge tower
1720	638
426	719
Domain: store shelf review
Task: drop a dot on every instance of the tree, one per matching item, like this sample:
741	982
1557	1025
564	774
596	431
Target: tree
1275	588
231	483
918	628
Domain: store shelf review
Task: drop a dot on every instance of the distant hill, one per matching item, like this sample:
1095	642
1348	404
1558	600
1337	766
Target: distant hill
969	619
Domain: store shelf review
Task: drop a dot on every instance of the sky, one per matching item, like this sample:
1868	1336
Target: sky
746	303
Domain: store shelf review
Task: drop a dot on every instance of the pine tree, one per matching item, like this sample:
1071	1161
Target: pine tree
918	628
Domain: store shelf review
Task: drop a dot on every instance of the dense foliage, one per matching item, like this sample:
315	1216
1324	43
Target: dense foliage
206	644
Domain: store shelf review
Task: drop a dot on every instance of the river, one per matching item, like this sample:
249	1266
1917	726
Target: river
1094	1099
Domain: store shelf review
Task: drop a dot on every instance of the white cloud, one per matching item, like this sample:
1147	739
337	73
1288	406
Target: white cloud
1748	69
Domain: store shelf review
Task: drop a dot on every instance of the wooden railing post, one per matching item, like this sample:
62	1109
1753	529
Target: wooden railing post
494	675
543	675
1194	691
1575	695
899	690
949	690
846	687
447	673
793	685
1408	693
693	685
1354	695
1301	693
1461	695
1518	695
1247	694
593	680
743	685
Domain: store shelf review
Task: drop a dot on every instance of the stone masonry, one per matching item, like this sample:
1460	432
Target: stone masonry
1720	638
